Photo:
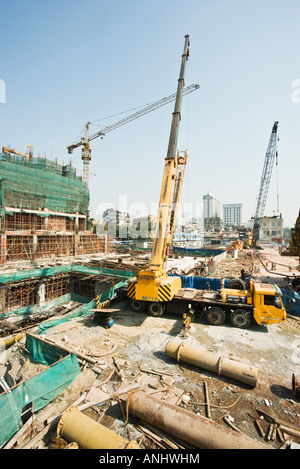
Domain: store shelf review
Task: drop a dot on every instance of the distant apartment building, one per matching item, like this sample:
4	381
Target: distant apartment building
271	229
112	216
211	212
232	214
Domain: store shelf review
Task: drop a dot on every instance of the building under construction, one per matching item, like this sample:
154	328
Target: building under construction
44	210
44	216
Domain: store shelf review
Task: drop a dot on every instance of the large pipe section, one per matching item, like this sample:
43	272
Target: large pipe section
194	429
9	341
74	426
222	366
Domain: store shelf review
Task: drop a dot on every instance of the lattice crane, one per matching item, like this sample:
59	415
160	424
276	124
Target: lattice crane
265	180
86	154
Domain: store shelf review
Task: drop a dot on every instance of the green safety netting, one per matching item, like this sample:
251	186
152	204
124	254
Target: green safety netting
58	269
37	183
39	390
84	310
17	276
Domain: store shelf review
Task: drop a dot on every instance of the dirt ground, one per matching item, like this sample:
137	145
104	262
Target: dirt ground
137	342
132	351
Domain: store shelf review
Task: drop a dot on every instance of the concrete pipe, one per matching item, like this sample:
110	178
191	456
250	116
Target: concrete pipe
74	426
9	341
196	430
222	366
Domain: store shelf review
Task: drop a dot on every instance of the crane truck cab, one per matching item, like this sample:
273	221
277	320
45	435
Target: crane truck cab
260	303
267	303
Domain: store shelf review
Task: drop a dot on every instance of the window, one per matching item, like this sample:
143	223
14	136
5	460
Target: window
271	300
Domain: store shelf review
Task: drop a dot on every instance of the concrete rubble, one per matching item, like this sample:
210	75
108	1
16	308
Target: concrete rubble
130	357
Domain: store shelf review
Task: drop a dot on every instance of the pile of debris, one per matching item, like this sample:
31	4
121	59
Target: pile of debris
124	401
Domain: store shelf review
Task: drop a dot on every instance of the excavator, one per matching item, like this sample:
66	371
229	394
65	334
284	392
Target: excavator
152	287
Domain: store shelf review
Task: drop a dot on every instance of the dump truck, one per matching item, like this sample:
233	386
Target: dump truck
259	303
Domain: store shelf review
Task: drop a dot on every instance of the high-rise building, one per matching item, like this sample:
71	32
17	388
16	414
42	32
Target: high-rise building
232	214
211	206
211	212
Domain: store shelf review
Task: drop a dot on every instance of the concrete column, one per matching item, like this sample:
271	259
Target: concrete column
46	223
76	224
76	244
2	300
34	247
41	300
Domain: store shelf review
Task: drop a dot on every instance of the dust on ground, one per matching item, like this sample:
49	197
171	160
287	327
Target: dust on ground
137	341
135	348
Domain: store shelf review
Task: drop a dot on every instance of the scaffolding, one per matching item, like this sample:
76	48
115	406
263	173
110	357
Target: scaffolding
20	295
26	293
43	211
31	247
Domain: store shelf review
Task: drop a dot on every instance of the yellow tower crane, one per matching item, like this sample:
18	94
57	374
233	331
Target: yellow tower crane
27	155
85	141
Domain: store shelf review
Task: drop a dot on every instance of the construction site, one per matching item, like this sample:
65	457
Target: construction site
112	347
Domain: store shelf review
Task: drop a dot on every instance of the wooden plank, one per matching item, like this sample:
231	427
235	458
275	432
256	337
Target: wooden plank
67	349
207	399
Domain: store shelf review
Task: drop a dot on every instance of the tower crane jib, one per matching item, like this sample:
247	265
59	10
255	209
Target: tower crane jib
85	141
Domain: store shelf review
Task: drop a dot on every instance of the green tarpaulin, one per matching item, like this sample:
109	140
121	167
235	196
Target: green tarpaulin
39	390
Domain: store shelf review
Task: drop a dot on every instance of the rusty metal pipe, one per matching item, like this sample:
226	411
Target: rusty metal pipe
196	430
74	426
296	385
222	366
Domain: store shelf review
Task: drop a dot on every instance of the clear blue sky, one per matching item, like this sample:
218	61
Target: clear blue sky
67	62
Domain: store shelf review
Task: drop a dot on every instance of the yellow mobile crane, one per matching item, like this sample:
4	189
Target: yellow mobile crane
153	287
154	290
86	153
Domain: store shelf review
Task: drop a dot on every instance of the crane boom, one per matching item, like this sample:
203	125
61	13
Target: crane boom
265	180
161	235
153	287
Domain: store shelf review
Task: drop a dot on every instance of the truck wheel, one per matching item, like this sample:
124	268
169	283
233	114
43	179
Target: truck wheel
240	318
237	284
215	316
156	309
136	305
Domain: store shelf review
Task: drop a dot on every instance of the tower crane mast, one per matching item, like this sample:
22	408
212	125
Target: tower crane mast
86	154
265	180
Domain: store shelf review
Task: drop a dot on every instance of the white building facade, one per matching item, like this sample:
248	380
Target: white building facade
211	206
112	216
271	229
232	214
